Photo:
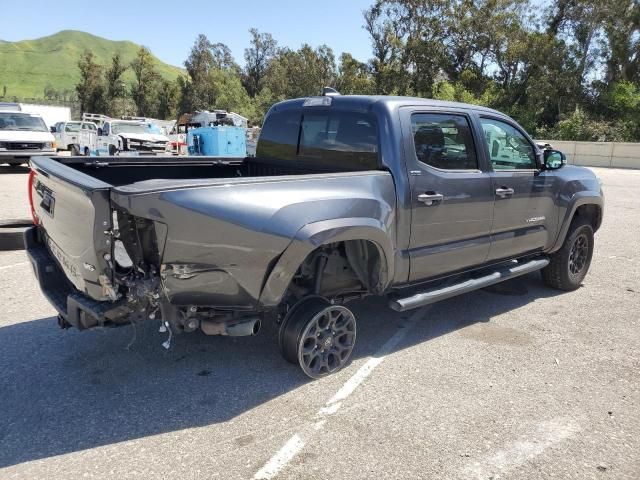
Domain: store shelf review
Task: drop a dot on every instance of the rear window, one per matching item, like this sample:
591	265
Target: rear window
339	139
321	139
279	136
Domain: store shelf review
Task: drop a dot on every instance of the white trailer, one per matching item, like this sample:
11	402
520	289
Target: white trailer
51	114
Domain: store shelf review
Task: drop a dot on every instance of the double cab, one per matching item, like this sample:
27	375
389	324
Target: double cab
348	196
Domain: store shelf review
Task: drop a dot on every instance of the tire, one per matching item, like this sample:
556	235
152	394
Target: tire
290	314
570	264
86	152
318	336
75	150
112	150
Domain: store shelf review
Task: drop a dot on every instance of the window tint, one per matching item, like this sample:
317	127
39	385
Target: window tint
279	136
443	141
346	140
508	147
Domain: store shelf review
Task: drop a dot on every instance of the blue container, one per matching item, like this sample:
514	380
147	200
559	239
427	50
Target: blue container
222	141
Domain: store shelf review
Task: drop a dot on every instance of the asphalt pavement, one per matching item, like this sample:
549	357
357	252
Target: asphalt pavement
515	382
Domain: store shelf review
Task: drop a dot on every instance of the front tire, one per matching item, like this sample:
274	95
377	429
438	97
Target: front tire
570	264
318	336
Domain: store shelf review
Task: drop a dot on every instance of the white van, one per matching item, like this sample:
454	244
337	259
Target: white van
23	135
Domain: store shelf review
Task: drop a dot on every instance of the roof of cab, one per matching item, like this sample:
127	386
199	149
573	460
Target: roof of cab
391	102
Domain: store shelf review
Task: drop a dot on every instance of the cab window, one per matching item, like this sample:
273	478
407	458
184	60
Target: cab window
508	148
279	136
347	140
443	141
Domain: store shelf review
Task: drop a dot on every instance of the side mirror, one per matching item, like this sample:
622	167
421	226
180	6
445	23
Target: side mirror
554	159
52	129
100	132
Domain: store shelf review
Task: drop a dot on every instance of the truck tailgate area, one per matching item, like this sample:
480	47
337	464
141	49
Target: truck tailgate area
74	214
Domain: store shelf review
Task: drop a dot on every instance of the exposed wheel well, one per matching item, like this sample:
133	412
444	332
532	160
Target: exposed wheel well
589	211
343	269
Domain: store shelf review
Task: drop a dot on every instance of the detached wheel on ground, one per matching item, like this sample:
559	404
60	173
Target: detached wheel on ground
318	336
570	264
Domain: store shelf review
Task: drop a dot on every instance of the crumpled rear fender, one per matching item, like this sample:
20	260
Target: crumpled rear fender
316	234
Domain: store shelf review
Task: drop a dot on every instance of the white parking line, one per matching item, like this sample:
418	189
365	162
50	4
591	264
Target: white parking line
547	433
14	265
297	442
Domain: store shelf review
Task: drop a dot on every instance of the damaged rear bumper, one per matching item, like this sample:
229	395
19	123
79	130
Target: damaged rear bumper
73	307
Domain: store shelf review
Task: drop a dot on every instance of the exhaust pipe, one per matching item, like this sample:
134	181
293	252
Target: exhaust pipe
243	328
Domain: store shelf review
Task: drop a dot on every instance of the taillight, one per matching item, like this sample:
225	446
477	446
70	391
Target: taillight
34	217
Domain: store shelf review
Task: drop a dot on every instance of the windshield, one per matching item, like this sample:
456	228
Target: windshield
129	128
22	121
72	127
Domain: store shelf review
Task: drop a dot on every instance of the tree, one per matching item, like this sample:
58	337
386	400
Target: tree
257	59
115	86
213	80
144	91
354	77
302	72
90	88
168	94
383	23
197	93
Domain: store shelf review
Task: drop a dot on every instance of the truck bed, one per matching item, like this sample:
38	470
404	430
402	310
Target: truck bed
123	171
186	221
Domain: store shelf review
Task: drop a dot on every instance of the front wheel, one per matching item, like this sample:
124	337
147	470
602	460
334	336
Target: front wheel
570	264
318	336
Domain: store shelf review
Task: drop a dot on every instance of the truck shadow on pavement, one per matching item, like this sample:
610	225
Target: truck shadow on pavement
67	391
5	169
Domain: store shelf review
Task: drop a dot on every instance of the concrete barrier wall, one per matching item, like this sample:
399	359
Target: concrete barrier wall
599	154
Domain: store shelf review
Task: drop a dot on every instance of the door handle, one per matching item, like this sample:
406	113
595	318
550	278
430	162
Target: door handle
430	198
504	192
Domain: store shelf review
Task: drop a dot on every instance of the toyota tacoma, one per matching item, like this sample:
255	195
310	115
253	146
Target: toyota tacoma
348	196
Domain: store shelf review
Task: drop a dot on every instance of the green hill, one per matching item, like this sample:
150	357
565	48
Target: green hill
26	67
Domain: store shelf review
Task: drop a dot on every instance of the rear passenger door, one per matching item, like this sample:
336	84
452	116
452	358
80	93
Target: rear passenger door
451	193
525	215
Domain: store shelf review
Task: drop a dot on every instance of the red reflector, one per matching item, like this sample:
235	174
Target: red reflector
34	217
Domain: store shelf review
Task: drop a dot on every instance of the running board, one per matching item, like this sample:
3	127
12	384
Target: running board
500	275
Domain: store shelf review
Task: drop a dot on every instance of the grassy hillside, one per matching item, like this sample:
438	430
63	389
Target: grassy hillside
26	67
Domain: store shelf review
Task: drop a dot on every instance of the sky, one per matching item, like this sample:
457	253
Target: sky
169	28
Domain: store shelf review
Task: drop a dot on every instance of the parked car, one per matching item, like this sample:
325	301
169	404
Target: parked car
76	137
131	136
347	196
23	135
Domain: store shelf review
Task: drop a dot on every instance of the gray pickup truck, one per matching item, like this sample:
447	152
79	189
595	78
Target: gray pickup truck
348	196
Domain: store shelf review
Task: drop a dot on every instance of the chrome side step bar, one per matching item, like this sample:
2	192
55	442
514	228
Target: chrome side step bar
435	295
